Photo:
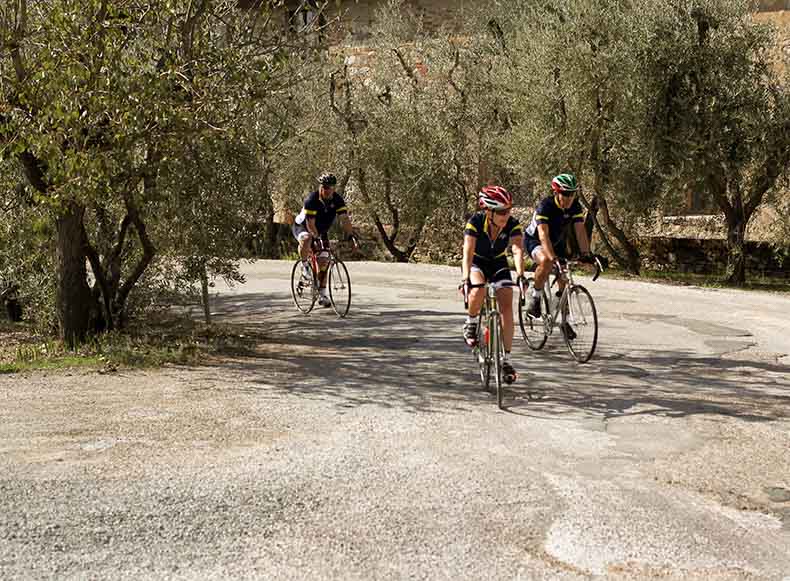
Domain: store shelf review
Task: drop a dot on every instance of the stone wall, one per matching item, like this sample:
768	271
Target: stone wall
700	256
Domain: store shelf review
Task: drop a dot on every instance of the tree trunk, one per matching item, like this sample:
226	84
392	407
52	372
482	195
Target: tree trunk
75	300
736	249
204	294
630	261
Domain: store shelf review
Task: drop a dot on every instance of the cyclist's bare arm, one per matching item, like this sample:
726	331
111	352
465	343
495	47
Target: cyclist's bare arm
545	242
581	237
469	253
310	224
517	247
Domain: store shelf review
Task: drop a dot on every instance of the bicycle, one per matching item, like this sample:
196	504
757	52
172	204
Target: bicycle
489	349
305	289
575	309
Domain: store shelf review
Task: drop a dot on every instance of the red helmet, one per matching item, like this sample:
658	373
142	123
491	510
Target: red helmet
495	198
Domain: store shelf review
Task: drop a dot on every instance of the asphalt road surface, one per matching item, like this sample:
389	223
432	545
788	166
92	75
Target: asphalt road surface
364	448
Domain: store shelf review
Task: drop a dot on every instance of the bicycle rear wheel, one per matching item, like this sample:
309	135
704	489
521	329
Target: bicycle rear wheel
339	288
303	290
534	331
482	352
580	324
498	357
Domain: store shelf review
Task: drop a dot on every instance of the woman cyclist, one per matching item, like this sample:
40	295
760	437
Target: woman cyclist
487	237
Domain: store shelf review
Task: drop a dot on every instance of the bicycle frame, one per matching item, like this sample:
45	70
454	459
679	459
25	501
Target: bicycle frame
565	272
490	347
490	310
318	248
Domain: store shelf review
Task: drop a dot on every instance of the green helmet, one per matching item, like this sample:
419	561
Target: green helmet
565	184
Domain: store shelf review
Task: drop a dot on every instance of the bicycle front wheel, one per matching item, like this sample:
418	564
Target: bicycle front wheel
339	288
534	331
580	324
304	290
498	357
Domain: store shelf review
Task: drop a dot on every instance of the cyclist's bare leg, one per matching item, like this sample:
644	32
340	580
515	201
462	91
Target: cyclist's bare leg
476	295
305	246
543	269
504	297
323	263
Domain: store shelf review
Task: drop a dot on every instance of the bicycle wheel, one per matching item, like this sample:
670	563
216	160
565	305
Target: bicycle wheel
534	331
580	324
498	357
303	290
339	288
482	353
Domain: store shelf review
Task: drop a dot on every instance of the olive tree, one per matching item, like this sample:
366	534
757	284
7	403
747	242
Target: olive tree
722	113
579	106
102	102
390	131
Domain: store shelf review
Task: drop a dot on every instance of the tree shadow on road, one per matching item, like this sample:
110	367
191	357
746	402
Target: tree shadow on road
414	359
673	383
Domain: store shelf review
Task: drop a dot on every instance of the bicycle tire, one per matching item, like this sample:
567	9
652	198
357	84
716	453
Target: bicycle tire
481	352
498	348
581	318
304	293
534	331
339	284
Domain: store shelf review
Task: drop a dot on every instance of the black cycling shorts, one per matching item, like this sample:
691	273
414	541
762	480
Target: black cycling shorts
298	229
496	271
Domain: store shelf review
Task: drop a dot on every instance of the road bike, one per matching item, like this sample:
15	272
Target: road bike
305	287
571	310
489	349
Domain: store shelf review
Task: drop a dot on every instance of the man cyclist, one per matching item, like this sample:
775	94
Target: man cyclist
544	238
487	236
312	224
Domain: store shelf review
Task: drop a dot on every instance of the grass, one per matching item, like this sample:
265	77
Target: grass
168	341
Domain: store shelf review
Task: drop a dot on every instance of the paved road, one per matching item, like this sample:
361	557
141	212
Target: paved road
363	448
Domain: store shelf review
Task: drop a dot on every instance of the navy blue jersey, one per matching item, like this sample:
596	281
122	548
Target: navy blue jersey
549	212
324	212
485	248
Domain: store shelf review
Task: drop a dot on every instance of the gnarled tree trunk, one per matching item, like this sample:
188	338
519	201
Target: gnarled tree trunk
76	303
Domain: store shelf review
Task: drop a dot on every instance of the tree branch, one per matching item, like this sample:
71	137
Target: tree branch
408	71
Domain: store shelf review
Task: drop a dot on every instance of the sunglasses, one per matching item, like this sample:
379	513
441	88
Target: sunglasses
504	212
568	194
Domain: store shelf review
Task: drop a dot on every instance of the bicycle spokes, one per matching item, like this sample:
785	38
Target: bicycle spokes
304	288
339	288
580	324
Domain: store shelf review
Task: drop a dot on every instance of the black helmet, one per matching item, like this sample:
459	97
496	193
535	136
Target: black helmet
327	179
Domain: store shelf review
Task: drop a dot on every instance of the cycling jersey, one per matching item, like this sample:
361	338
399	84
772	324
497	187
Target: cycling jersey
488	251
549	212
324	211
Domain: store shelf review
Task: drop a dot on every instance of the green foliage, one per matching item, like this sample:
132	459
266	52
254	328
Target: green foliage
153	119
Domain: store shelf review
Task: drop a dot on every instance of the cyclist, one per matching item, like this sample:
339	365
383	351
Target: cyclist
312	224
544	238
487	236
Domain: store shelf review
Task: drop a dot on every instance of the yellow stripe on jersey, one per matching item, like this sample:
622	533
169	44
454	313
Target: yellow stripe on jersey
339	210
539	217
471	226
579	215
310	212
